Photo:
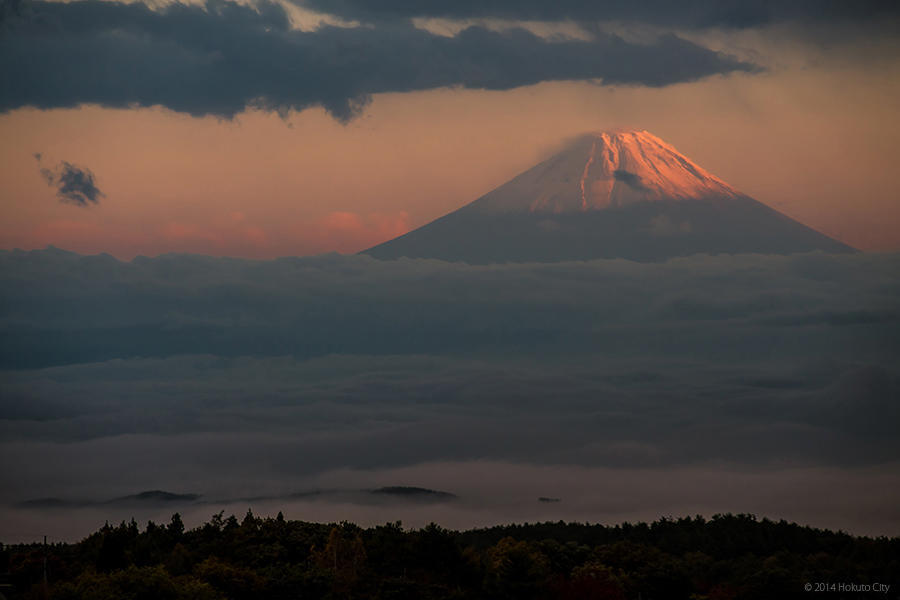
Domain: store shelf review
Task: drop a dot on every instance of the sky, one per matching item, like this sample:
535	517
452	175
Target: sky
162	149
282	129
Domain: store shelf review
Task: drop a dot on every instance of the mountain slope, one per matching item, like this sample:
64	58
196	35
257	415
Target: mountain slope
622	194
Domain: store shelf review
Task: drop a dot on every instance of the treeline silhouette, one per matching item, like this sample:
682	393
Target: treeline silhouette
725	557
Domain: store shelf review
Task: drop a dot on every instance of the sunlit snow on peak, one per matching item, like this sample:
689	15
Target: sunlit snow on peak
607	169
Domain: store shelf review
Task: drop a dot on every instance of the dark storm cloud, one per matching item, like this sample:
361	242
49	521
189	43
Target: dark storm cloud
219	58
666	13
74	185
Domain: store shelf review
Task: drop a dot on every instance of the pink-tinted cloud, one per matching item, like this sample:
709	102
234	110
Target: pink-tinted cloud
80	236
228	234
344	231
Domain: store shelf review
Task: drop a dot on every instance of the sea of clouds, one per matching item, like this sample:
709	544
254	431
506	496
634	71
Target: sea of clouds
766	384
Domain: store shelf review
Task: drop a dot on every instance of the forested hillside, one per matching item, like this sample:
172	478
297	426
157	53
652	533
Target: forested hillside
730	556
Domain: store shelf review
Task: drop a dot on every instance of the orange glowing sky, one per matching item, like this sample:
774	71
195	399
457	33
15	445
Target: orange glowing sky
816	137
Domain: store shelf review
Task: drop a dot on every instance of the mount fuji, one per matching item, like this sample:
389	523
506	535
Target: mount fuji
618	194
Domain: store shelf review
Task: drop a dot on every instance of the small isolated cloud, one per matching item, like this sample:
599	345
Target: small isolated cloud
74	185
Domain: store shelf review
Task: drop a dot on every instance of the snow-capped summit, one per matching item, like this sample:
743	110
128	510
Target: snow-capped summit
615	194
606	169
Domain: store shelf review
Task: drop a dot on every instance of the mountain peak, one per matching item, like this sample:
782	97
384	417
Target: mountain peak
610	194
606	169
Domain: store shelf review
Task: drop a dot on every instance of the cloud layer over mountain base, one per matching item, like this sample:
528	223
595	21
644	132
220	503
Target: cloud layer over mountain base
764	384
